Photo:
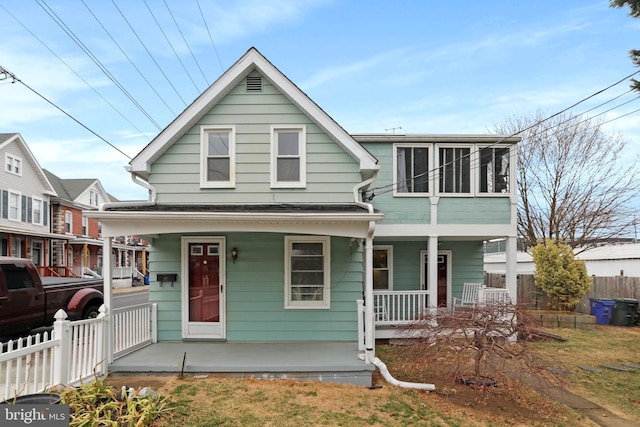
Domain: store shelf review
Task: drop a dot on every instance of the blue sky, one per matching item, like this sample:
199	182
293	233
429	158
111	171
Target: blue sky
425	66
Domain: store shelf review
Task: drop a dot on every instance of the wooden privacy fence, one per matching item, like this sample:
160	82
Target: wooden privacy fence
603	287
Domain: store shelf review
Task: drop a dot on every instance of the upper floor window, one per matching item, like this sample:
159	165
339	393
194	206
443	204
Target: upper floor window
93	198
307	272
454	169
288	157
217	161
494	170
85	226
14	206
13	164
68	222
36	211
411	169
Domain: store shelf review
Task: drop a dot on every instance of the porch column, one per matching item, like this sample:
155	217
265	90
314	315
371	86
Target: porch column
369	328
432	271
511	264
107	253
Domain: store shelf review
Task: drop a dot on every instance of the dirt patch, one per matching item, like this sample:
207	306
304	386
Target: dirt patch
155	381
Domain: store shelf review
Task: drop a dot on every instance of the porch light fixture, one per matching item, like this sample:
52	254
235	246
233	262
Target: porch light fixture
234	254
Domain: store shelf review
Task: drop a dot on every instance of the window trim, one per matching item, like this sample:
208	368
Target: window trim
204	156
389	269
18	207
13	164
396	186
473	155
302	156
33	211
511	179
69	214
326	252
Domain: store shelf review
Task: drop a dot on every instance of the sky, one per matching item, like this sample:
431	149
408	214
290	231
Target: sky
124	69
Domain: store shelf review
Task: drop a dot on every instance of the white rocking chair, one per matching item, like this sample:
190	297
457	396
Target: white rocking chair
469	296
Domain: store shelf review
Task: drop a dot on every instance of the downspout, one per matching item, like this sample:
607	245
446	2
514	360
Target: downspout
137	180
391	380
369	332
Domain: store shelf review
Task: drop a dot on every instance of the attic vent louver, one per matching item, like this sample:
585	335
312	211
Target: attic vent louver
254	84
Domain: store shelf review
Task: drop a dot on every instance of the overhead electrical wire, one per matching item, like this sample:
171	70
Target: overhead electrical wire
210	36
186	42
128	58
171	46
149	53
95	59
369	194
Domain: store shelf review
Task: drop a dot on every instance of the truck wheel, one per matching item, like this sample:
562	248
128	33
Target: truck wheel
91	312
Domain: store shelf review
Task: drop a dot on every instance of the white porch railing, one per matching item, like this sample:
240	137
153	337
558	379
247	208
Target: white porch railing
399	307
122	272
134	327
74	351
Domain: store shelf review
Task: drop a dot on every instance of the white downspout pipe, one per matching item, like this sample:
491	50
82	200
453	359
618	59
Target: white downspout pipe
136	179
404	384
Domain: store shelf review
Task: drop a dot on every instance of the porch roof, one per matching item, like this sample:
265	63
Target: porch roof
349	220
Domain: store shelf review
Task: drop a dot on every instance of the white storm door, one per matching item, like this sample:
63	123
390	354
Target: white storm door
203	287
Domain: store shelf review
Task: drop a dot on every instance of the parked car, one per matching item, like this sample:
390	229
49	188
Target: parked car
28	301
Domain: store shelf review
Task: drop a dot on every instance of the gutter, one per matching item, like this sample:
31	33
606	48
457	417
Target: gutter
137	180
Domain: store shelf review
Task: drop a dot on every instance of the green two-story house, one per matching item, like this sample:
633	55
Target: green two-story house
269	223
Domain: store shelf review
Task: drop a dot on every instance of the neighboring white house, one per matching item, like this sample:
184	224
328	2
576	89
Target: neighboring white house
609	260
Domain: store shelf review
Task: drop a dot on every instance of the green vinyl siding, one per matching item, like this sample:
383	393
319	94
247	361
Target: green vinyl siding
474	210
255	291
331	172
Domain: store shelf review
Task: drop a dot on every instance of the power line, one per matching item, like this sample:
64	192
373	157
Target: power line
210	36
4	73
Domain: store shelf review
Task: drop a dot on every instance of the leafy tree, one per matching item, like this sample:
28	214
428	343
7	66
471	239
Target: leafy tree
558	273
574	182
634	5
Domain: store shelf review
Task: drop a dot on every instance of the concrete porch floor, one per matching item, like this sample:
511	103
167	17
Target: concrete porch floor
317	361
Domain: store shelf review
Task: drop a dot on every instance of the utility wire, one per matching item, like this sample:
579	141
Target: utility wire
210	36
149	53
88	52
128	58
171	46
4	73
185	41
371	193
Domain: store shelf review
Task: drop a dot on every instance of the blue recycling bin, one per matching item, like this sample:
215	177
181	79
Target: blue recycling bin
601	308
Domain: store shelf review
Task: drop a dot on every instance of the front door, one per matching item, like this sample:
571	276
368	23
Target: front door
443	286
203	288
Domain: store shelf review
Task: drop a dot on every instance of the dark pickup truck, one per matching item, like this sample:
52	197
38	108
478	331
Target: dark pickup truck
28	301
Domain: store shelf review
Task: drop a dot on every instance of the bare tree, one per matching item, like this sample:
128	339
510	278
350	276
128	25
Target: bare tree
575	182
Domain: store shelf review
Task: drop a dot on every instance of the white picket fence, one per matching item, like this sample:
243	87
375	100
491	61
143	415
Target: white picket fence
74	352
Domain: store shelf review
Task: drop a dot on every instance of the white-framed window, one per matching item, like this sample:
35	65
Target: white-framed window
68	222
288	156
13	164
495	170
307	272
411	169
383	267
85	226
15	206
217	156
36	211
93	198
454	170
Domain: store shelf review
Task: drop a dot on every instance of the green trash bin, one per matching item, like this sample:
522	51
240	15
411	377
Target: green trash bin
625	312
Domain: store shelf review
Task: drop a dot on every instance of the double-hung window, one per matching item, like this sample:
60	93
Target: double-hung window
15	206
411	169
288	156
93	198
494	169
454	170
383	268
13	164
36	209
307	272
217	161
68	222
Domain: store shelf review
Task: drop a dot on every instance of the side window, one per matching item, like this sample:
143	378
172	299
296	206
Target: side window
307	272
454	170
36	211
411	170
16	276
217	157
288	157
494	170
383	268
15	207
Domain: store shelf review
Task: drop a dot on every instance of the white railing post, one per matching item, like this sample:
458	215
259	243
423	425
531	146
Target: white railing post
360	311
154	323
101	340
61	333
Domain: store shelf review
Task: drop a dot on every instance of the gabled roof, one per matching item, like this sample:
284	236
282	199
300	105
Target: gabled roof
71	189
250	61
10	138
